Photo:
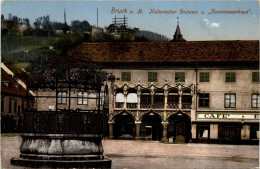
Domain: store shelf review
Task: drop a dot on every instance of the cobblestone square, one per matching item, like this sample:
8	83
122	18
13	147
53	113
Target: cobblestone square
129	154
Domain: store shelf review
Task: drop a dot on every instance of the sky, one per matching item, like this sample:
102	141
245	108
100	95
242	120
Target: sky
194	27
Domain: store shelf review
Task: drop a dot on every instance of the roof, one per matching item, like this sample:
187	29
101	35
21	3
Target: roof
167	52
18	72
12	90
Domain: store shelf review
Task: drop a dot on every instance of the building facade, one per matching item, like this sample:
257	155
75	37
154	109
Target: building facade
206	91
14	98
177	92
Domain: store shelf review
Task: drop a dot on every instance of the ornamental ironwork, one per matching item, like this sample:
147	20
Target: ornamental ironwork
90	122
64	72
70	74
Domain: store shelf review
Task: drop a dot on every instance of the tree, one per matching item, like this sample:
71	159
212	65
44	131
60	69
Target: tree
56	25
26	21
80	26
85	26
46	24
38	23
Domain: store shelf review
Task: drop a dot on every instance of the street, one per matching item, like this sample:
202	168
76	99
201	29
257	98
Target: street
129	154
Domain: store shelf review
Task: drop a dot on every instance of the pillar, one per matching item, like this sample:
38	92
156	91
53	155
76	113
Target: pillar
111	124
245	132
180	102
164	134
139	100
213	131
137	130
194	131
125	96
165	100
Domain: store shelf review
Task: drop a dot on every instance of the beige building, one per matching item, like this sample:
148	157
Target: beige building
199	91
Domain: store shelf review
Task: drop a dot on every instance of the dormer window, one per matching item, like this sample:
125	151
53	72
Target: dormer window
8	84
18	86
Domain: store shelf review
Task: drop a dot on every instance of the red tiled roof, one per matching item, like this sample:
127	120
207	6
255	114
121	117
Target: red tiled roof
162	52
18	72
12	90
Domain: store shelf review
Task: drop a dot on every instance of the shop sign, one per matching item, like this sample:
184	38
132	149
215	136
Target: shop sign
227	116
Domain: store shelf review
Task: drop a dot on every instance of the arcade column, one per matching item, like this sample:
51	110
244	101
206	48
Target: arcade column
137	125
111	124
164	135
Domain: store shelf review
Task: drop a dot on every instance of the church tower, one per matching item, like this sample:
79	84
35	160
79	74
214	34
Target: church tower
177	37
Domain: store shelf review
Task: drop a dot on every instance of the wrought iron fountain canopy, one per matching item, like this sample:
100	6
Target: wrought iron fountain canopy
66	73
65	137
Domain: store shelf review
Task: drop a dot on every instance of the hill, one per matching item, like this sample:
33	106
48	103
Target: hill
152	36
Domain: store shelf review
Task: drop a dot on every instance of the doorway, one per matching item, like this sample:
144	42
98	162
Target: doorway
151	127
124	126
179	128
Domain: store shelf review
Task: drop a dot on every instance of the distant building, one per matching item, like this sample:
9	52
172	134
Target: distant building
13	98
96	31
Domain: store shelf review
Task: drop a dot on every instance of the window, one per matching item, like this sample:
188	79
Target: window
179	76
19	109
204	100
204	76
120	98
8	84
15	106
82	98
230	77
203	131
101	98
230	100
62	98
152	76
255	100
23	105
125	76
10	106
255	76
2	105
254	131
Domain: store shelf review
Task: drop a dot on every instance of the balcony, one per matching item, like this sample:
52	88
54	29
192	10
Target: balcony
186	105
131	105
173	105
145	105
158	105
119	105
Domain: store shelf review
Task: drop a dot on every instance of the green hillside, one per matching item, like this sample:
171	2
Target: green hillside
17	47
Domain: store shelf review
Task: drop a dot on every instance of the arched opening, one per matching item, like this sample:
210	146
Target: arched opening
119	103
145	99
158	102
173	99
151	127
124	126
186	99
179	128
132	99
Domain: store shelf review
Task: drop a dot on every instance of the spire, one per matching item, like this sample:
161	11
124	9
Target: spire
177	37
